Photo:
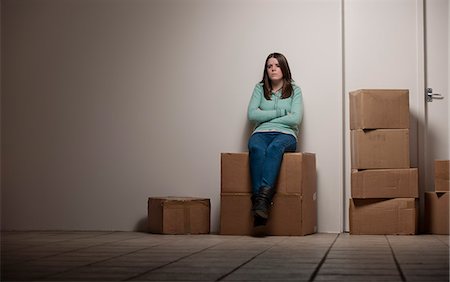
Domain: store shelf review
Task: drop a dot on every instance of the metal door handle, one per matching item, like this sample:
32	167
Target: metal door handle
429	95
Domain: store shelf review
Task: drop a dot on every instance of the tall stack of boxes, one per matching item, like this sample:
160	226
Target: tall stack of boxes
384	188
437	202
294	210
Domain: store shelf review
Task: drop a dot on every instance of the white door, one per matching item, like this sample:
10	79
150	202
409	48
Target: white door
408	48
383	48
435	120
436	78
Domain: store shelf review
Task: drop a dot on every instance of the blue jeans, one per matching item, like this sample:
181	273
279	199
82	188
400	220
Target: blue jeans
266	151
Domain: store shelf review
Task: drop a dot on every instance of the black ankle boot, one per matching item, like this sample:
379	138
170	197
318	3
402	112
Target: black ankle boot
259	221
263	201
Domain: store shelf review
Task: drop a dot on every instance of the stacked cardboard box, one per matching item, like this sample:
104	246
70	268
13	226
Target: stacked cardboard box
437	202
383	186
294	210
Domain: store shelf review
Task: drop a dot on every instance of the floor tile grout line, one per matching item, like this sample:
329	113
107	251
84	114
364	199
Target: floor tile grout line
100	261
322	261
444	242
169	263
397	264
247	261
64	241
401	246
74	250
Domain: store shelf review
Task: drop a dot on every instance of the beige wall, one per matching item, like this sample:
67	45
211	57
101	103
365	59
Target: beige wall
106	103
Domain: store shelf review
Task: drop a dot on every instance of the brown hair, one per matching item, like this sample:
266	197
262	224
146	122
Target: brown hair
287	78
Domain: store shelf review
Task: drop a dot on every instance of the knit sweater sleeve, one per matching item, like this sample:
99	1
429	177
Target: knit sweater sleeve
255	114
294	117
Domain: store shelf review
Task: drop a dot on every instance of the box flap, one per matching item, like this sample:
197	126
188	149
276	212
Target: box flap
379	108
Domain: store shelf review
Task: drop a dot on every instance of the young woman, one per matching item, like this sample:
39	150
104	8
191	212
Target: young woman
276	109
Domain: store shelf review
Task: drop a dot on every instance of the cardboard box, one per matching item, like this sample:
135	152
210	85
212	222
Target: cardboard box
383	216
379	148
379	108
290	215
441	176
235	214
235	173
297	170
385	183
436	212
179	215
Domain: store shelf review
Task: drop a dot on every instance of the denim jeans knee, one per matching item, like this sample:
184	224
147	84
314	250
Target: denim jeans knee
266	151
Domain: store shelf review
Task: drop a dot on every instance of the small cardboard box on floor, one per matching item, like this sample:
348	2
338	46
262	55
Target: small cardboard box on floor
385	183
379	108
437	212
442	175
383	216
178	215
294	210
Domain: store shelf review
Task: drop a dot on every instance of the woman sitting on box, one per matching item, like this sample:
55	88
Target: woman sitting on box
276	108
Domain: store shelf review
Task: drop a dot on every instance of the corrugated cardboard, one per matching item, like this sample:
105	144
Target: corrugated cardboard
383	216
379	148
385	183
297	170
441	175
235	214
235	173
295	206
178	215
290	215
379	108
293	215
436	212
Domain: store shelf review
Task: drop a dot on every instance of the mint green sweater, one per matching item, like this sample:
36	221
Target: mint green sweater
276	115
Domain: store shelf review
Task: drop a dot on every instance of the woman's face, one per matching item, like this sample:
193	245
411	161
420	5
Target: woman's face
273	70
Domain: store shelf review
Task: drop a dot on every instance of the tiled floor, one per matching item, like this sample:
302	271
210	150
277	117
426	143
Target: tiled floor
133	256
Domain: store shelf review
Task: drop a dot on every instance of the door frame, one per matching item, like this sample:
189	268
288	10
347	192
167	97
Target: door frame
422	118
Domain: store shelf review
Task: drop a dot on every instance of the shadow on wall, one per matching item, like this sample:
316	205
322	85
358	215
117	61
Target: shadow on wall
417	124
300	143
141	225
416	121
248	129
413	137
